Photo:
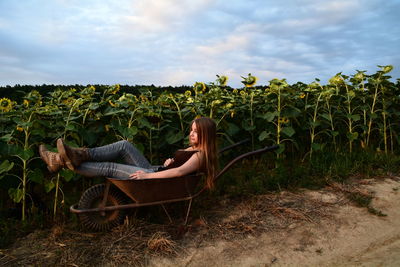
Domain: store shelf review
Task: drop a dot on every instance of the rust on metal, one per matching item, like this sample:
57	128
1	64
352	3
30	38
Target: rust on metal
159	191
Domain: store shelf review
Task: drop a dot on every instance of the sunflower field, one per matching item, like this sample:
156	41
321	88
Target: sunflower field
350	114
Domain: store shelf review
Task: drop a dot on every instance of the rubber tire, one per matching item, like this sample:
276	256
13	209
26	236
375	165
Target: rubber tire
92	198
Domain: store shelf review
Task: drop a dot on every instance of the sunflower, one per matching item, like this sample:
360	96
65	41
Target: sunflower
35	98
5	105
26	103
283	120
112	104
359	76
116	89
386	69
222	80
199	87
69	101
249	81
88	91
190	100
336	80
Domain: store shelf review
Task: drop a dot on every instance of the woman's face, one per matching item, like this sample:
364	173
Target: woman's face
193	137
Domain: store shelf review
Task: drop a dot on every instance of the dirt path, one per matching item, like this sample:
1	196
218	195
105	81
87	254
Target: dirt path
310	228
352	237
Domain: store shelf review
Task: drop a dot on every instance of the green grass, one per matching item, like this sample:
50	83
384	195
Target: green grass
269	174
262	175
10	229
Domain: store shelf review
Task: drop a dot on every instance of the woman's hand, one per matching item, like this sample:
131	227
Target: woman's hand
138	175
168	161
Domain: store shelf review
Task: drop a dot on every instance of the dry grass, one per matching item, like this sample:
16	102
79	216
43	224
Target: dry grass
161	243
360	197
136	241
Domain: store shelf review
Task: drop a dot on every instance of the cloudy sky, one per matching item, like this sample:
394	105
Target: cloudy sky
179	42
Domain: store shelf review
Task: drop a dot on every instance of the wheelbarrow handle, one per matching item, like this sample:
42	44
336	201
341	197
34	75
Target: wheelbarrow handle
252	153
234	145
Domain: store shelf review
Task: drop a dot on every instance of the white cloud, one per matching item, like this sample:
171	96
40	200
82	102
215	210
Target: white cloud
11	75
8	59
218	48
174	42
177	77
341	6
155	16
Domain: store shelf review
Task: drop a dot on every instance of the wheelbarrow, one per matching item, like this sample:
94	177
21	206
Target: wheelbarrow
104	206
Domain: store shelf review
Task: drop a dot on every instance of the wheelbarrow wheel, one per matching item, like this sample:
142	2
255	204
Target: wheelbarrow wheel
101	221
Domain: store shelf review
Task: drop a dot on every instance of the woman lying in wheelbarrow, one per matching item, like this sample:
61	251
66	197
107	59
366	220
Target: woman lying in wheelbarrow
201	156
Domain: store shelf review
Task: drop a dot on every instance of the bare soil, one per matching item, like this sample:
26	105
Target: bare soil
331	227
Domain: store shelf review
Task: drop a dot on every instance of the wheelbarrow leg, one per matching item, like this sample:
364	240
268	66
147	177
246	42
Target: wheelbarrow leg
104	202
166	212
188	210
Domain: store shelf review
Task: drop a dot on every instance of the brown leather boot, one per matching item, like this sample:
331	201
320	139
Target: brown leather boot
73	157
53	160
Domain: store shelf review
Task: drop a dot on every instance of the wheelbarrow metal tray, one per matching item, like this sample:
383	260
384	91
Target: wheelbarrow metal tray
158	189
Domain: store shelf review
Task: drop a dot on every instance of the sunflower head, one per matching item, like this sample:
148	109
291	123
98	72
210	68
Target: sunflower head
359	76
249	81
188	93
314	85
34	97
386	69
112	104
26	103
283	120
88	91
116	89
222	80
337	79
199	87
5	105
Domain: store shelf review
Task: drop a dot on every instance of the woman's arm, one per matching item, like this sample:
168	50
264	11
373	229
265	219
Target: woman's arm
167	162
189	166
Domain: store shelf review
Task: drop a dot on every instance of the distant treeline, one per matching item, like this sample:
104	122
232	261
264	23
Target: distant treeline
17	91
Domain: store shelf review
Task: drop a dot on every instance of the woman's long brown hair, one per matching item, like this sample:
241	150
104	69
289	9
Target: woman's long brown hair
207	143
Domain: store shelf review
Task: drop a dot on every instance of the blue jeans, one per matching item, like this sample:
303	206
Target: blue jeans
102	164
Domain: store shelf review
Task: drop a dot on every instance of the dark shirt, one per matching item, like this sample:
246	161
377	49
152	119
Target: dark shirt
180	157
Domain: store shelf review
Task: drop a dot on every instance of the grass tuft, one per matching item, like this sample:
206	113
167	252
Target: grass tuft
160	243
270	174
